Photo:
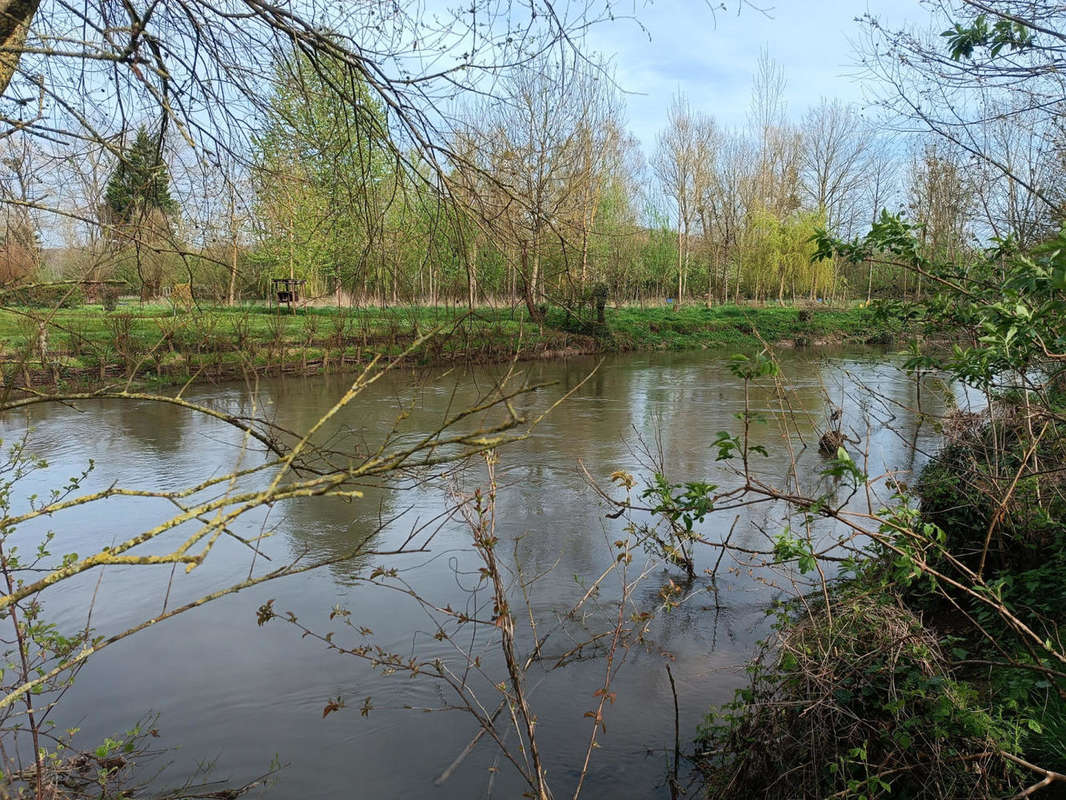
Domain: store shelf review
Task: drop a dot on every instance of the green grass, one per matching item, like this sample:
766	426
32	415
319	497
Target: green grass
160	343
694	327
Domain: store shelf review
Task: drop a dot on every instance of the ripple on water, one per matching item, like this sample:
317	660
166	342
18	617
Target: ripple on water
231	690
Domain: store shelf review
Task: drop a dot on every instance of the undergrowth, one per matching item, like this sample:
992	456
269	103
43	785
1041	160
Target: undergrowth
854	700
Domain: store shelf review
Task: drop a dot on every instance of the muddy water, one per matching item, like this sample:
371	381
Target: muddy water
230	692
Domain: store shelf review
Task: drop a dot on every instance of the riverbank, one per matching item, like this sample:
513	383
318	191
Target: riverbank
163	345
931	667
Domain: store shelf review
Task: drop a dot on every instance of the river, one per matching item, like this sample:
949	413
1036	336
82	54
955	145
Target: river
236	694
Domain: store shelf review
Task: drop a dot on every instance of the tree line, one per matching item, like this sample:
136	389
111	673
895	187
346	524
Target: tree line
540	194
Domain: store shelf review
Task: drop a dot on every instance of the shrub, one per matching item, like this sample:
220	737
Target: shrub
858	702
181	295
979	476
45	296
109	296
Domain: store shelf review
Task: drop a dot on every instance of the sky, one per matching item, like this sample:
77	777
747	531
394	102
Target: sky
712	56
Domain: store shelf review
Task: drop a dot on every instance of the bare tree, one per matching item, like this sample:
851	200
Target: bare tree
534	147
774	184
980	65
836	164
942	202
1030	157
20	247
78	75
723	208
600	150
683	163
881	188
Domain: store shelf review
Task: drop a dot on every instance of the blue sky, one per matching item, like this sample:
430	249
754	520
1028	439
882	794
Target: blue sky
712	57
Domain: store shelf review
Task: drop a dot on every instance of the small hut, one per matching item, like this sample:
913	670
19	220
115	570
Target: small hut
287	290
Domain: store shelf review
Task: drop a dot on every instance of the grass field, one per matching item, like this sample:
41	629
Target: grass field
159	343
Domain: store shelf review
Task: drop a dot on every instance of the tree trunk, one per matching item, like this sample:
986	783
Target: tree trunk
680	262
233	273
395	281
292	255
511	274
584	257
531	303
15	19
471	274
535	282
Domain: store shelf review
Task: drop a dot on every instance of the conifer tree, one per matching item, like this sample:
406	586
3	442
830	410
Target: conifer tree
140	183
139	209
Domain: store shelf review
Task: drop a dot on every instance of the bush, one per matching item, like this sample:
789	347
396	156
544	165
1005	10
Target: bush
963	488
855	703
109	296
45	296
993	486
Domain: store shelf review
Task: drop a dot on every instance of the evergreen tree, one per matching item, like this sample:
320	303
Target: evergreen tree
140	183
138	206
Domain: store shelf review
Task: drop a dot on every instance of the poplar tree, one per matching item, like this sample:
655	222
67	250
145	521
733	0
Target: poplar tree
325	174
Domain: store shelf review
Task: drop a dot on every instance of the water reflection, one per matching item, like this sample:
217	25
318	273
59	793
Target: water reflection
230	690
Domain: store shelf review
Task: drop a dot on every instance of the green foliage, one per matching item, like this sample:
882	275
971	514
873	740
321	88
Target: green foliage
684	504
729	446
33	646
749	368
977	484
109	296
140	182
963	40
680	507
1009	305
855	701
842	467
775	255
790	548
215	341
325	175
44	296
991	502
584	313
837	704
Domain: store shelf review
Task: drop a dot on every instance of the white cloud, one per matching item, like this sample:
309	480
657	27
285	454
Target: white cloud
712	57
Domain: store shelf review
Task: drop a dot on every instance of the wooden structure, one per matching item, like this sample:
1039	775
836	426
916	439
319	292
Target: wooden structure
287	290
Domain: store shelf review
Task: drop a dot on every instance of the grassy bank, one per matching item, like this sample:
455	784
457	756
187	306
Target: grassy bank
695	327
162	344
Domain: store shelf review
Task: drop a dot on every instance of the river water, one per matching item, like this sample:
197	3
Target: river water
235	694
